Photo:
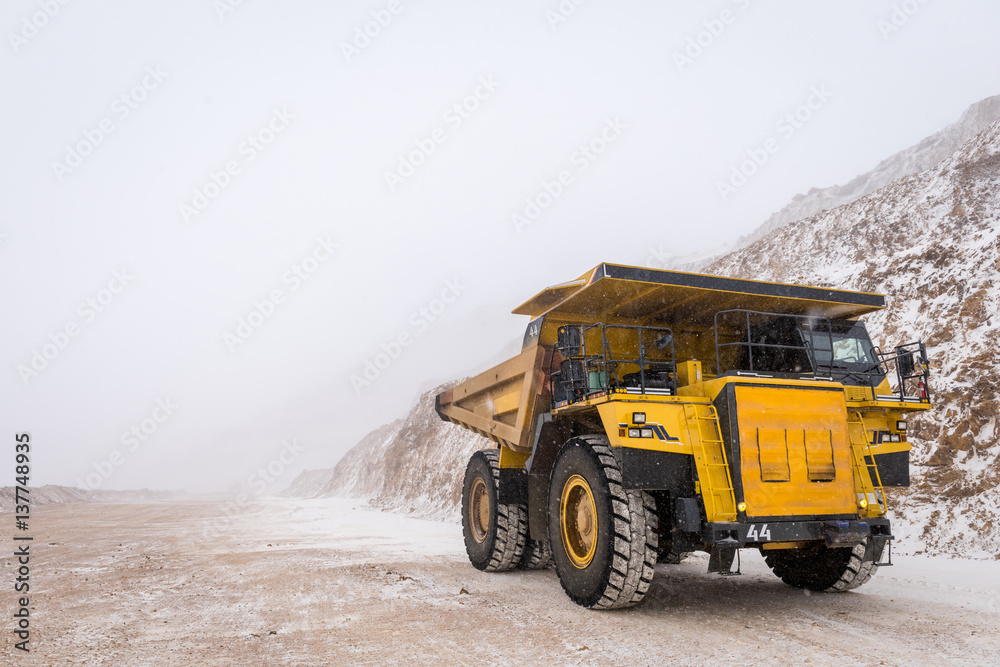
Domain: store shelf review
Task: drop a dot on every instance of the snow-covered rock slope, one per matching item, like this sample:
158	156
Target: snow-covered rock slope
907	162
924	155
931	243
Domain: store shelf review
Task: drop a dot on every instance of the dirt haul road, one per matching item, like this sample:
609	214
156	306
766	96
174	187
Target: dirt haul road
319	582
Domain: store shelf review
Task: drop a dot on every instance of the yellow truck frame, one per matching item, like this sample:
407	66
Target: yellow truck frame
654	413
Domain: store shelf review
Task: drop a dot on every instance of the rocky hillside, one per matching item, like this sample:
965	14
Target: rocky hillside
913	160
413	465
930	243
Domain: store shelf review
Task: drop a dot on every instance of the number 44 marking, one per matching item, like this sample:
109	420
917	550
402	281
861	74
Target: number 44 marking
754	536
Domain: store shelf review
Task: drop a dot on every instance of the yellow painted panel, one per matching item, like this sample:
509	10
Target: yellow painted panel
688	372
797	459
506	403
666	419
798	415
772	455
684	428
511	459
819	455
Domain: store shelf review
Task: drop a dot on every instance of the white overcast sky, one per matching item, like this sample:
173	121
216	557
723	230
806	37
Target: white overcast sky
336	125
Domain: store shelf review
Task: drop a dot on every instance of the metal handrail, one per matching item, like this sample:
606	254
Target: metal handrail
641	362
920	369
605	362
750	345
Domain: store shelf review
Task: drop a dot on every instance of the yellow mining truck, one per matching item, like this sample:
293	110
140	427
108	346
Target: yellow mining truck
654	413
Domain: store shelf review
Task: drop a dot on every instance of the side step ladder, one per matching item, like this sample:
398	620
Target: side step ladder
864	462
710	460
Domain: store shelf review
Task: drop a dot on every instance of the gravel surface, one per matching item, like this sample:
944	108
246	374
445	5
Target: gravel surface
279	581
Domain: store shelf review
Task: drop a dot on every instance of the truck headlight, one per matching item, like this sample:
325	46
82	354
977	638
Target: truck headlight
638	417
901	425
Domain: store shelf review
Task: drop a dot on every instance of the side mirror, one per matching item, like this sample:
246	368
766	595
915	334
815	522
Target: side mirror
905	361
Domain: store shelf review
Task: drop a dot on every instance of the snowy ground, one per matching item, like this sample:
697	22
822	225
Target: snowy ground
327	582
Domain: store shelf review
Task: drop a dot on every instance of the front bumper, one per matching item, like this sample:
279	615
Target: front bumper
834	533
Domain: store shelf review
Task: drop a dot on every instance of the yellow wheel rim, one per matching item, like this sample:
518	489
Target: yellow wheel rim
479	510
578	519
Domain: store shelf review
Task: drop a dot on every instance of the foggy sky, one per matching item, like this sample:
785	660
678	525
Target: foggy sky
170	169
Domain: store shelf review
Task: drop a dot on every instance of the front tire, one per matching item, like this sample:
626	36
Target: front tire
822	569
495	533
603	536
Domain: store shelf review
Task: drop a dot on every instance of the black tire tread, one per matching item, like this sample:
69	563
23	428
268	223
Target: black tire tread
859	571
511	524
537	555
635	535
825	570
673	557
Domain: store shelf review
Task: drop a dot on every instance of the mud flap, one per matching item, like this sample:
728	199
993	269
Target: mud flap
687	515
874	548
721	558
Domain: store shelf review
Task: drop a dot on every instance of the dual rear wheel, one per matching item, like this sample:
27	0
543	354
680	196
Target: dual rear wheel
496	534
602	537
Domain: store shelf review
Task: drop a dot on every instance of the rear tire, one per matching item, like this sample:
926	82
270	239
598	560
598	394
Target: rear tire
537	555
495	533
603	536
673	557
823	568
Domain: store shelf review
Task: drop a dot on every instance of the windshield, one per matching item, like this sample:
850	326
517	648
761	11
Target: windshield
796	346
852	357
